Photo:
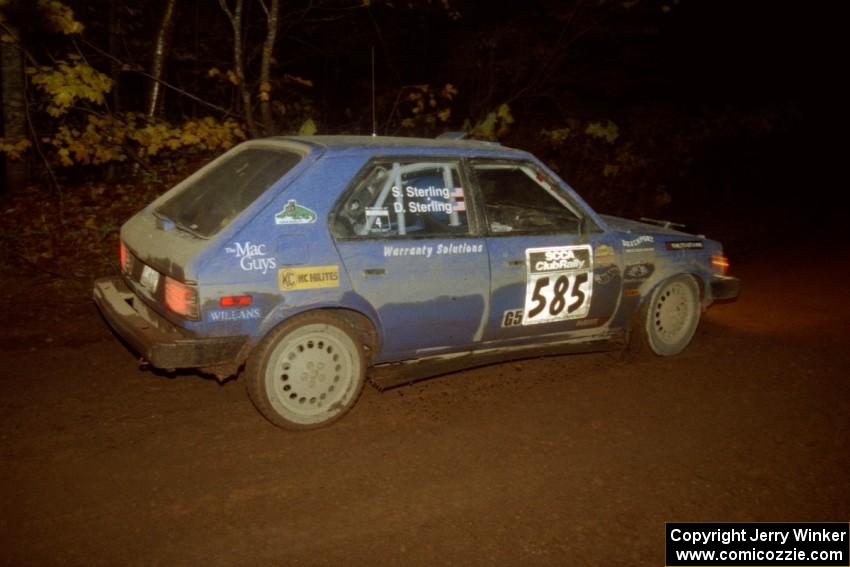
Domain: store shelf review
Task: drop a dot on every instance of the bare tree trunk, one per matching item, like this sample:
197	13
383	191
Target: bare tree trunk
160	58
14	107
235	18
269	126
114	65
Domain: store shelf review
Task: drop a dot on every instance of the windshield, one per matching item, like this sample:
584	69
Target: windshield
211	201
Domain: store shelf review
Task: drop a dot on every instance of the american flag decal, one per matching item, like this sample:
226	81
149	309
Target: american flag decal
458	200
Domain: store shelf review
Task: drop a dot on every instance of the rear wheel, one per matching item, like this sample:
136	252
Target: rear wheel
669	319
307	373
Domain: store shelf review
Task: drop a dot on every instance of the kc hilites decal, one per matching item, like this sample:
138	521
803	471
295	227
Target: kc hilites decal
560	283
308	277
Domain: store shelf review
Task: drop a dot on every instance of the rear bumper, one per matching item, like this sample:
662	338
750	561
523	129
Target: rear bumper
158	340
724	287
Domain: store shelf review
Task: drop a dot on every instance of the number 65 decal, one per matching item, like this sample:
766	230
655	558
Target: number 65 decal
559	285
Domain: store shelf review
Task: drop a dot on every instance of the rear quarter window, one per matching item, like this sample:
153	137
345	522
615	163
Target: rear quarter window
210	202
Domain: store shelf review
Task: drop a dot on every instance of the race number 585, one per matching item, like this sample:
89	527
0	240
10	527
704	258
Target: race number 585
563	297
559	284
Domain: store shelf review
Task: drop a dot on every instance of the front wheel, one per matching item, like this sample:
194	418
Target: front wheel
306	373
669	319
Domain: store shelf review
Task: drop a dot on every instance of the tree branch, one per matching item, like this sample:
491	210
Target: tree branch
126	67
37	144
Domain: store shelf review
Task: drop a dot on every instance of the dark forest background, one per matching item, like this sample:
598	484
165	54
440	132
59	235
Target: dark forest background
708	112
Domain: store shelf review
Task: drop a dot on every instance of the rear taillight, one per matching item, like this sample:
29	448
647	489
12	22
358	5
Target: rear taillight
181	298
124	257
720	264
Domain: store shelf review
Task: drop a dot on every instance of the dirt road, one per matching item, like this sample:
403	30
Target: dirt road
563	461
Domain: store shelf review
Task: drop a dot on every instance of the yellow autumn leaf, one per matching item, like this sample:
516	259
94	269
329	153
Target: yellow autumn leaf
308	128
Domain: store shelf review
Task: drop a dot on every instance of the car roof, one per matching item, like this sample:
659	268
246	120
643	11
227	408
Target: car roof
370	145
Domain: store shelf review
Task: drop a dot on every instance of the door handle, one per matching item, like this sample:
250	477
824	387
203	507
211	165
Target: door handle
375	272
514	263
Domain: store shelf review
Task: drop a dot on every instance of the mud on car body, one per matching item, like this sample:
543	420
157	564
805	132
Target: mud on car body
318	261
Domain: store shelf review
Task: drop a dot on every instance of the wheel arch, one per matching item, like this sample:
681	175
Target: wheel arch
364	327
651	285
639	317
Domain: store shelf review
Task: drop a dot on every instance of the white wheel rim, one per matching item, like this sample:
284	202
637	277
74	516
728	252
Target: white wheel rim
673	313
312	373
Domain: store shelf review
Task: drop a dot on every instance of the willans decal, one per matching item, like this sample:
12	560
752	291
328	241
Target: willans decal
293	213
234	314
252	257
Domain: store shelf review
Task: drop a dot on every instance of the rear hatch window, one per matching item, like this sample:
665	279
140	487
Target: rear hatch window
211	201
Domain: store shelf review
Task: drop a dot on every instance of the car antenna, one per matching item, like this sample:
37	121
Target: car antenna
374	122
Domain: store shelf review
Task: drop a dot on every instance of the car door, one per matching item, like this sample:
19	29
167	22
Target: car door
415	255
548	276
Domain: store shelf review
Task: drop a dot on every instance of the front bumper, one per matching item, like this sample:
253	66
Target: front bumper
725	287
159	341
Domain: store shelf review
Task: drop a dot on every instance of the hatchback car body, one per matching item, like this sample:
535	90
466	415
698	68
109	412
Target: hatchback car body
318	261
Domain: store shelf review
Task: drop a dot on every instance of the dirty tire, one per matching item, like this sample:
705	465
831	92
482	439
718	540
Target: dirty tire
307	373
667	321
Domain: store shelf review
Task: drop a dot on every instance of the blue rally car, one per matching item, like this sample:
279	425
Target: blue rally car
317	262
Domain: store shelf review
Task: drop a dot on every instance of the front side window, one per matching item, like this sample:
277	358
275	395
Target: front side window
517	198
208	203
405	199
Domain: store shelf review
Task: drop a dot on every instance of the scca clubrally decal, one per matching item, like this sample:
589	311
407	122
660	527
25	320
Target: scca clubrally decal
560	283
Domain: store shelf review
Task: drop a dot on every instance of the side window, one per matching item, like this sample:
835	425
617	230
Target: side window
519	199
398	199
